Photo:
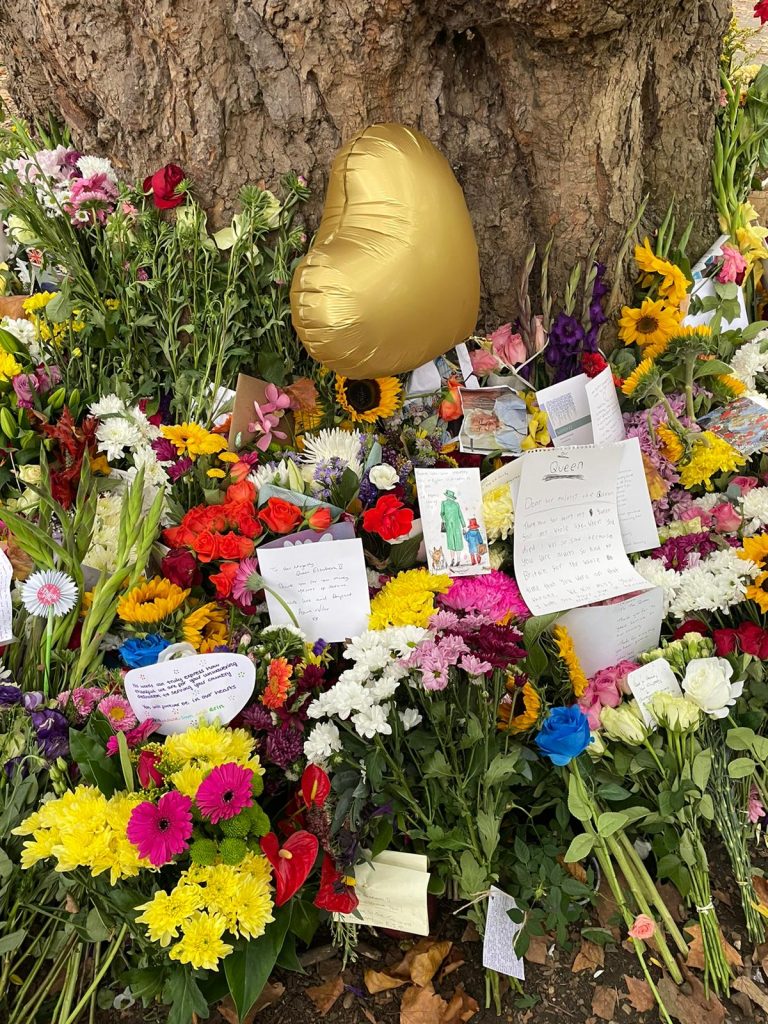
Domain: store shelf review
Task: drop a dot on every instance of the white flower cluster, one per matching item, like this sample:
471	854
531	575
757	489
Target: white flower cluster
102	554
750	360
23	331
363	692
754	510
717	583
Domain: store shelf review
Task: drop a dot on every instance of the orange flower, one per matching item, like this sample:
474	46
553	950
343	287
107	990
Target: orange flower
278	683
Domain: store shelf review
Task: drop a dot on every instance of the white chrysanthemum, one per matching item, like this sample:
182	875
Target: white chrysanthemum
49	592
334	444
91	165
652	569
371	721
754	510
155	476
115	435
709	501
109	405
24	332
716	584
147	430
410	718
322	743
749	361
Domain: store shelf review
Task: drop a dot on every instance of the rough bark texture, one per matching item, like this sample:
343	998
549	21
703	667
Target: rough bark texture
557	115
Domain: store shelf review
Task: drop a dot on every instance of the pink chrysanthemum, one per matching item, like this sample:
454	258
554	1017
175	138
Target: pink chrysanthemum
135	737
495	595
83	698
225	792
160	831
118	712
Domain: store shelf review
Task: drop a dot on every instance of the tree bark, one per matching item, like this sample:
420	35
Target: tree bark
558	116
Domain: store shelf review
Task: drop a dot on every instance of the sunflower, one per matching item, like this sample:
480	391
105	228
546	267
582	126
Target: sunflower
205	627
566	651
151	601
674	285
653	323
525	719
642	373
366	401
671	446
758	592
755	549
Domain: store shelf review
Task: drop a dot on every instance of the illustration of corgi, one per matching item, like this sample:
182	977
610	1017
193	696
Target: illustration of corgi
438	559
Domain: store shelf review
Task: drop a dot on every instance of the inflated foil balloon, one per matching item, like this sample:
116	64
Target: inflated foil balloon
392	279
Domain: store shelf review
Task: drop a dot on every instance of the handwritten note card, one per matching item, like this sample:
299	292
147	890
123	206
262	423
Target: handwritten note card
604	409
6	608
177	693
568	546
606	634
392	890
655	677
338	531
325	586
500	935
583	411
636	518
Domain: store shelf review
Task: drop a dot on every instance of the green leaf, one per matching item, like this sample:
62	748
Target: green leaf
145	983
288	959
610	822
706	808
383	837
613	791
702	768
581	846
536	625
12	941
305	918
741	768
95	767
403	555
739	739
96	927
437	767
710	368
473	878
488	827
249	967
501	767
686	849
600	936
181	991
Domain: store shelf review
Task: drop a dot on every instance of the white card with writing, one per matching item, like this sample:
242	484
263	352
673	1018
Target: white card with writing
325	586
500	935
567	408
392	893
509	474
604	408
636	518
451	509
606	634
6	606
178	693
568	547
655	677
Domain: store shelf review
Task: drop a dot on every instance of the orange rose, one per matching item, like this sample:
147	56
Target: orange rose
280	516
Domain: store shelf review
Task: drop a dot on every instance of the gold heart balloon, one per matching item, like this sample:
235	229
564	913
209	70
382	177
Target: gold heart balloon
392	279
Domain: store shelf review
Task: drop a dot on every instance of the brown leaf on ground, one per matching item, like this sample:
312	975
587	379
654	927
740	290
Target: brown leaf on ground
589	958
605	906
755	993
422	1006
452	963
368	1016
639	993
696	949
673	901
722	897
324	996
470	933
575	870
537	950
690	1007
272	992
604	1002
760	885
381	981
426	963
461	1008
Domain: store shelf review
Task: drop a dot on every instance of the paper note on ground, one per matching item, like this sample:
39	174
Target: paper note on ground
568	546
655	677
392	893
606	634
499	937
177	693
325	585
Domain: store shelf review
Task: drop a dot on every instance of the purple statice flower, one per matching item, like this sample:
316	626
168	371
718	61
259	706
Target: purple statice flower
369	493
684	552
257	718
10	695
566	340
52	732
327	473
284	746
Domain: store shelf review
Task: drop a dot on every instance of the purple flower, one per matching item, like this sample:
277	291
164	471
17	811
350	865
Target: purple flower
684	552
52	732
566	338
284	746
164	449
257	718
9	695
33	699
178	469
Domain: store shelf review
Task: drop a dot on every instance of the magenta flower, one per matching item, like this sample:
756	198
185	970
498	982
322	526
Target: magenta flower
134	738
160	831
246	582
494	596
225	792
734	266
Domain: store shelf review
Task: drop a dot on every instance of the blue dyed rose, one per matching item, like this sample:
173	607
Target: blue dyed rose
564	734
138	652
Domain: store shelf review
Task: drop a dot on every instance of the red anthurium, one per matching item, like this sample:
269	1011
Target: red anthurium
315	786
335	893
290	862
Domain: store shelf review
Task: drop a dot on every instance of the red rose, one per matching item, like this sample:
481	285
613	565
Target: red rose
146	769
280	516
319	519
691	626
180	567
725	641
224	579
207	546
162	184
389	518
179	536
753	639
233	546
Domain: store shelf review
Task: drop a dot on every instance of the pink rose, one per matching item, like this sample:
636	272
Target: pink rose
694	512
507	346
484	362
743	484
734	266
726	518
643	928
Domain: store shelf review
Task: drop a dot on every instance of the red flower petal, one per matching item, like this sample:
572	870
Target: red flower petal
291	864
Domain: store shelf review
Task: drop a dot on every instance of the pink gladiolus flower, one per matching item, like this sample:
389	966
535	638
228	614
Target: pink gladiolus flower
507	346
643	928
160	831
755	809
734	266
225	792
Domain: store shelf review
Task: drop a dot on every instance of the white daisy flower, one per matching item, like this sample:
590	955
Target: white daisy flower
23	331
410	718
334	444
49	592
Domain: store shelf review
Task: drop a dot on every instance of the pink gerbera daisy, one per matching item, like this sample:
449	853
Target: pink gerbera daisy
160	831
118	712
225	792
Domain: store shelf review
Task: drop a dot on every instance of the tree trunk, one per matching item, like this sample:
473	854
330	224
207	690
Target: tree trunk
557	115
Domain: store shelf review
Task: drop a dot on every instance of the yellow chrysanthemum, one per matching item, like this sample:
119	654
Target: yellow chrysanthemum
112	303
193	440
8	366
366	401
671	445
187	779
202	945
212	744
498	513
567	652
638	375
408	599
38	301
205	627
216	474
649	324
710	455
166	912
229	457
755	549
151	601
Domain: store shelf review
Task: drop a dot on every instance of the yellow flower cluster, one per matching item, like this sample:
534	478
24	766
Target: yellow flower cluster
207	902
9	367
191	439
408	599
151	601
710	455
45	329
498	513
83	828
656	320
205	627
187	757
567	652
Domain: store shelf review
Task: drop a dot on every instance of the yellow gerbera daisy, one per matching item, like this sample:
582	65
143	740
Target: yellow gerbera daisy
194	440
640	373
151	601
650	324
755	549
366	401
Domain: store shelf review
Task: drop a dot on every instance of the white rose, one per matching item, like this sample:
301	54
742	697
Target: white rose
383	477
708	683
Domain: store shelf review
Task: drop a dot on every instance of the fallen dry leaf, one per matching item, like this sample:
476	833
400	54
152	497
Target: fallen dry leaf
425	964
673	901
607	911
604	1002
422	1006
325	995
639	993
452	963
722	897
696	949
537	950
690	1007
749	988
589	958
368	1016
470	933
461	1008
380	981
272	992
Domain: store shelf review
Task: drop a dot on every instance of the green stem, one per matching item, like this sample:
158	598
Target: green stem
98	975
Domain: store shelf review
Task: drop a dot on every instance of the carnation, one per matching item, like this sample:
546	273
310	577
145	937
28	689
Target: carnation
494	595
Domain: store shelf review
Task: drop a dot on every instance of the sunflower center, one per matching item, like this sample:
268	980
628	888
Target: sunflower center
363	395
647	325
